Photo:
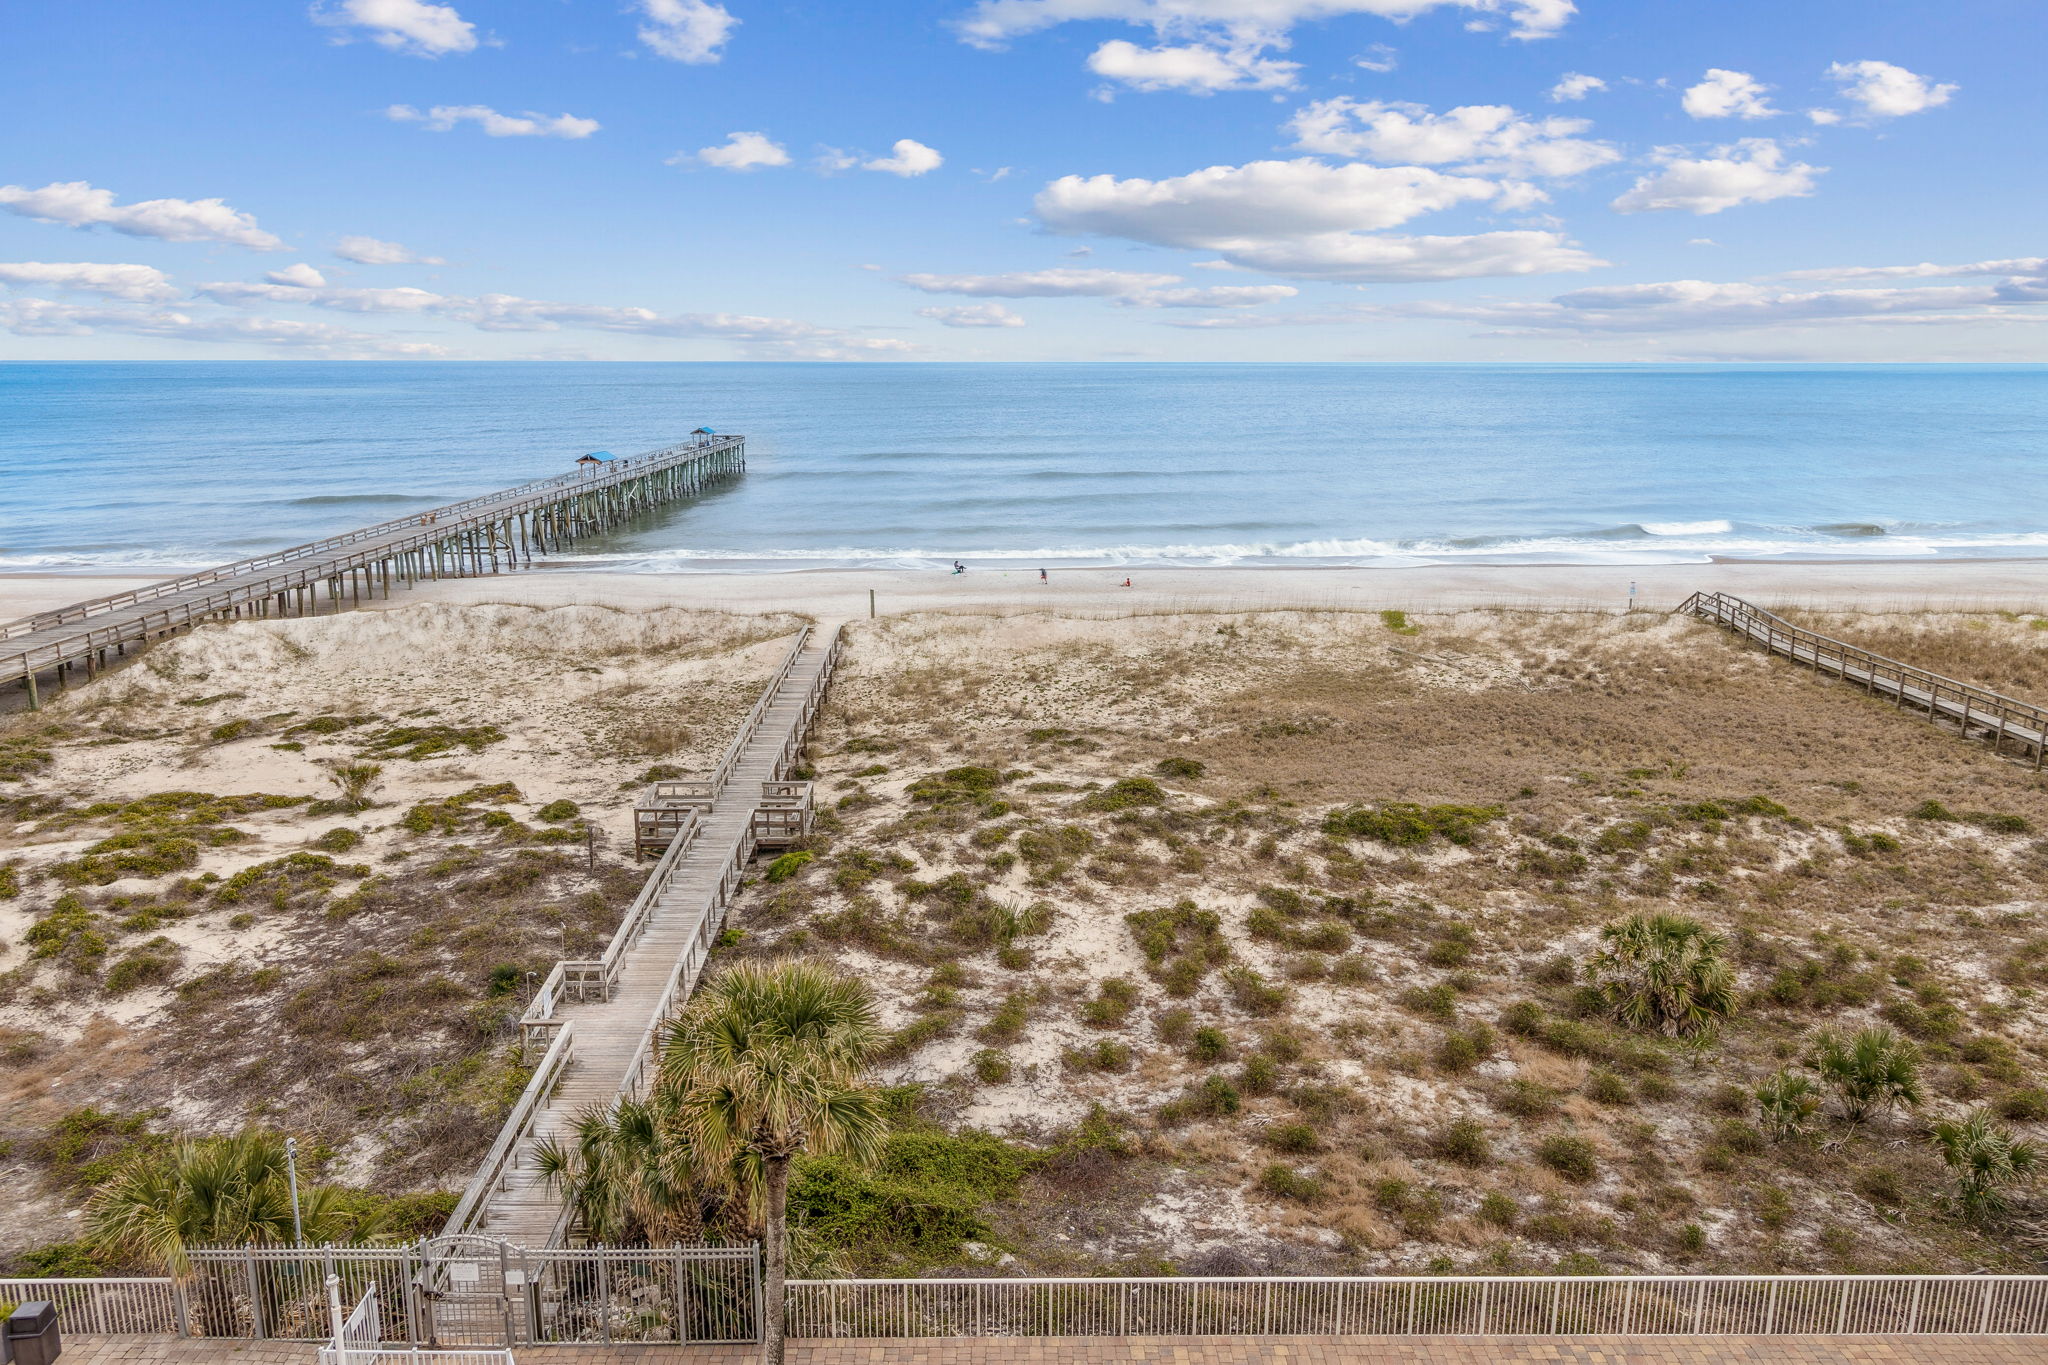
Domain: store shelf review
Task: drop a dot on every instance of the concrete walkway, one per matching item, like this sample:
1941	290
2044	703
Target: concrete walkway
1918	1350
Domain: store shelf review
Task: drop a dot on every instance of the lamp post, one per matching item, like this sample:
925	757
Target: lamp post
291	1168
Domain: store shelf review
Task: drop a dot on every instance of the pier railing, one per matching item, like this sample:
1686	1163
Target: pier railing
2000	718
509	500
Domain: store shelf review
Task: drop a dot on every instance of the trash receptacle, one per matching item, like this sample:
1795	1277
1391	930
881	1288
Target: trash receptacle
32	1334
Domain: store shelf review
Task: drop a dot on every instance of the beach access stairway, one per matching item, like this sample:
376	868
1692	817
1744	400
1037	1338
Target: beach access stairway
480	535
1975	711
597	1025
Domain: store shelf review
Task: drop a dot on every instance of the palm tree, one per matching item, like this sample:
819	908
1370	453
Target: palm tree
217	1191
1664	972
766	1063
1984	1157
630	1174
1876	1069
1786	1101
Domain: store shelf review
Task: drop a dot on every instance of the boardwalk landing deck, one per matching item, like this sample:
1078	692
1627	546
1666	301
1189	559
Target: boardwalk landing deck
1991	715
604	1049
481	535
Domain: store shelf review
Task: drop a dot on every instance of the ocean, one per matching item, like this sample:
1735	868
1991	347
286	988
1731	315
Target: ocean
124	465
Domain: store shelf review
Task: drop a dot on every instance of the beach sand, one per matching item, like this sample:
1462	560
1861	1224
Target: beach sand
2011	584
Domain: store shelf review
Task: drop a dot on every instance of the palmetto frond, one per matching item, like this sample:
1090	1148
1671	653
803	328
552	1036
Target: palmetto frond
1664	973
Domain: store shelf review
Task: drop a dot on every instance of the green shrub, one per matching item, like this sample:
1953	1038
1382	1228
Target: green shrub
555	812
916	1206
70	933
1259	1076
340	839
1188	768
1871	1071
1253	993
1181	944
152	963
1571	1157
1113	1002
1006	1025
991	1066
1284	1182
416	742
784	867
1437	1002
1460	1050
1984	1160
1209	1045
1498	1209
1104	1054
1527	1099
1465	1141
1126	793
1397	621
1407	825
1297	1138
1604	1087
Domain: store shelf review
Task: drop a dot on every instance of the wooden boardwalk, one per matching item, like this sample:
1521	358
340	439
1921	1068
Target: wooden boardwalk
1974	710
606	1048
481	535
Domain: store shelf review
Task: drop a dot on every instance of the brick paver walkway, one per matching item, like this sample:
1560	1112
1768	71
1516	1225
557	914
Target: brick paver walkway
1928	1350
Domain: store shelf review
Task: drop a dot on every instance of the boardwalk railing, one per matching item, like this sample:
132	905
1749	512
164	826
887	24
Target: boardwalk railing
138	1306
1999	718
516	1132
1640	1305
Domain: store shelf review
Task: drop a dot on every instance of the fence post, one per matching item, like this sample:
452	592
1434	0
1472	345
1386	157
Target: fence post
682	1303
255	1294
1913	1314
760	1296
1984	1317
1842	1311
180	1309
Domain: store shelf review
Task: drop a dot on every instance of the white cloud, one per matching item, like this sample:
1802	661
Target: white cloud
136	283
1823	117
1487	139
768	337
75	203
40	317
2011	265
442	117
1574	86
739	152
907	158
1887	91
1194	67
973	315
1060	282
1308	219
1693	305
371	251
1379	57
302	275
1218	296
686	30
992	23
1728	94
409	26
1752	171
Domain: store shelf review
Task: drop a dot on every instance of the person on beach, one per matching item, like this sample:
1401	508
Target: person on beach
1127	582
1041	576
958	567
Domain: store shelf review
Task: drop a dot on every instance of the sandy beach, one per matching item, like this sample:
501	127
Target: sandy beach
2008	584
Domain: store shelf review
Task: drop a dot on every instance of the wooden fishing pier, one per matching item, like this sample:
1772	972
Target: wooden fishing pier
1975	711
597	1025
484	535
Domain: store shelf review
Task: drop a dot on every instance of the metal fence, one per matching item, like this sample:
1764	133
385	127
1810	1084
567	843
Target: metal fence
467	1292
1642	1305
140	1306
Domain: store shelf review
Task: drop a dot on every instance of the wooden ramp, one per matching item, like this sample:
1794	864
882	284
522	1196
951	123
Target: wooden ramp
1976	711
600	1020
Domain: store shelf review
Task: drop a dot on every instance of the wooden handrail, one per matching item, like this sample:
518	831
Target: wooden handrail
518	1126
2001	717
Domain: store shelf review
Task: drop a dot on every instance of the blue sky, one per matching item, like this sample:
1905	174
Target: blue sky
1023	180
